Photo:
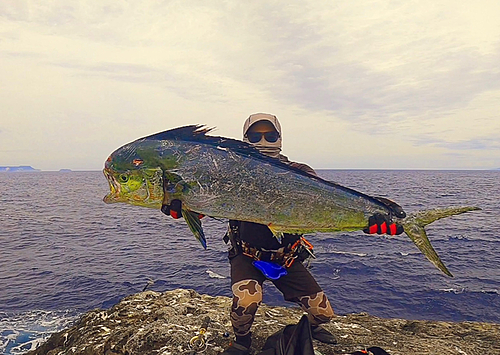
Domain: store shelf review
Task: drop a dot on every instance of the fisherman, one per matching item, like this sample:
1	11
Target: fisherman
257	255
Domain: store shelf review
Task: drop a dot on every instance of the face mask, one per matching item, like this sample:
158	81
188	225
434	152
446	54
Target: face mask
273	152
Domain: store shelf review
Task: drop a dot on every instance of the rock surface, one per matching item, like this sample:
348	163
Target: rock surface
164	323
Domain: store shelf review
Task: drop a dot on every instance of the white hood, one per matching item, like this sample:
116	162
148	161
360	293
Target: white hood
265	147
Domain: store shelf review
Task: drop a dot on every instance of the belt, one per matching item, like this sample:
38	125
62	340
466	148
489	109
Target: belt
283	256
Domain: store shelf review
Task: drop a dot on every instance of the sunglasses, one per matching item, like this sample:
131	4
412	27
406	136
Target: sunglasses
254	137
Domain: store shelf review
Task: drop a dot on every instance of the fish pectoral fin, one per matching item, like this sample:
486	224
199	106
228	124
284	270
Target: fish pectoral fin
194	223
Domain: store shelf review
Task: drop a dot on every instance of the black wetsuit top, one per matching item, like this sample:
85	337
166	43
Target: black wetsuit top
261	237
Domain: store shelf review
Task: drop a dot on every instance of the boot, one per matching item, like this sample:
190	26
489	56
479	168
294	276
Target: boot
322	335
236	349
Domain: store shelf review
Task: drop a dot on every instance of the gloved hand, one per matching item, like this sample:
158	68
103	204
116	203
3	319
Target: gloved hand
381	224
175	209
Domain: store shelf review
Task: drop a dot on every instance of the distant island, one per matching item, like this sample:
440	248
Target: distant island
65	170
11	169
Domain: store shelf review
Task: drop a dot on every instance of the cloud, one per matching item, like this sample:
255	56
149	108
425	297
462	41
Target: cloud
443	77
483	143
362	62
385	74
126	72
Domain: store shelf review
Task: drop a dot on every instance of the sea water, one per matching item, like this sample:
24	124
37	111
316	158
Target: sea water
64	252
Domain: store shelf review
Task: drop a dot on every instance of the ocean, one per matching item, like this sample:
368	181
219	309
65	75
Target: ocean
64	252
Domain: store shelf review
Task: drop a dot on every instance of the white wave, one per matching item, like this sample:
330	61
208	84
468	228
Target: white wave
336	274
28	345
214	275
25	331
408	253
348	253
464	289
454	290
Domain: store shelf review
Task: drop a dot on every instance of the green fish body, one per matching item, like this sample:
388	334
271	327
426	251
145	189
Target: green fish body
226	178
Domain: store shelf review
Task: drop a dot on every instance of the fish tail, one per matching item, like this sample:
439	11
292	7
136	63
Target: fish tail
414	224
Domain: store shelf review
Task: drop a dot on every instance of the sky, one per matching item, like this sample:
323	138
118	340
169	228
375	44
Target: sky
356	84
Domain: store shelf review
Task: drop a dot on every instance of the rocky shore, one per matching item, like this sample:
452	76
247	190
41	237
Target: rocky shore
166	324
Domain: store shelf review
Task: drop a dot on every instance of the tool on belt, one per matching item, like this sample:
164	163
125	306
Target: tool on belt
272	263
284	256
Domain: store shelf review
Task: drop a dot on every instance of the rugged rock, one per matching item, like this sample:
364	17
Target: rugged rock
164	323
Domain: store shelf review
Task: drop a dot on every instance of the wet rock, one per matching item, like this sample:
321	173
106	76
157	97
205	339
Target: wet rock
168	323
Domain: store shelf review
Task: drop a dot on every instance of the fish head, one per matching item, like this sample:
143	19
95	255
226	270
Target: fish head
132	181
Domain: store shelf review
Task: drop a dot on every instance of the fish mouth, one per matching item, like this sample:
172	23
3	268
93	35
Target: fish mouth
114	187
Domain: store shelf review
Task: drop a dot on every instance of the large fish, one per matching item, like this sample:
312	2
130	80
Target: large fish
227	178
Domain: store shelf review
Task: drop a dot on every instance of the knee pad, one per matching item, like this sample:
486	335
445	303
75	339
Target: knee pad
247	297
318	307
246	293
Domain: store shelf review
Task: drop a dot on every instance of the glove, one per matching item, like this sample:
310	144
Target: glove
381	224
175	209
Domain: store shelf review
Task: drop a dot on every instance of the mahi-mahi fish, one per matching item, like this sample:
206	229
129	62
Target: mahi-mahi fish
227	178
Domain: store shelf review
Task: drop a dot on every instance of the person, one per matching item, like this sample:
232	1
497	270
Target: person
252	243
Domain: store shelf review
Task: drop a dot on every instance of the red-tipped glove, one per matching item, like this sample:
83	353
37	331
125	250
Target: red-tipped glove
175	209
382	224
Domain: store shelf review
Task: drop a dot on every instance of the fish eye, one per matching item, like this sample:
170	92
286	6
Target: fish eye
123	177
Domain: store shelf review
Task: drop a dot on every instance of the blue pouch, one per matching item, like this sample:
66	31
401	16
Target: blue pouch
270	270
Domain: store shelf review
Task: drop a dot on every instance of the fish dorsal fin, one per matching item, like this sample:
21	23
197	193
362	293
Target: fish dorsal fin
185	133
198	133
